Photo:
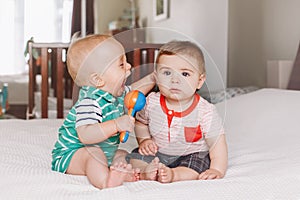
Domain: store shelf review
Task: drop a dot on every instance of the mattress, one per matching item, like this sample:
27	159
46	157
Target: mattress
262	131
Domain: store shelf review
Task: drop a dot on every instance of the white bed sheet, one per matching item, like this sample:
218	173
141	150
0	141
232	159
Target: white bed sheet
263	134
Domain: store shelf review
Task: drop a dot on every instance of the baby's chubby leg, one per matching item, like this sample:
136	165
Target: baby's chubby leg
120	168
149	171
120	173
120	156
92	162
168	175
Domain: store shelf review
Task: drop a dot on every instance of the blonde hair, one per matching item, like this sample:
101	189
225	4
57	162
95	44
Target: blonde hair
183	48
79	49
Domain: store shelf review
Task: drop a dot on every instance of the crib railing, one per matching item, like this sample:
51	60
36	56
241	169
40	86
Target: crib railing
51	65
141	56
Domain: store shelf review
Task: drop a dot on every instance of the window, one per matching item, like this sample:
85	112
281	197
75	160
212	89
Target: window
48	21
45	21
11	39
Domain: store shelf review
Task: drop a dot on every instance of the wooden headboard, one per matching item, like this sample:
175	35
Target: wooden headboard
52	67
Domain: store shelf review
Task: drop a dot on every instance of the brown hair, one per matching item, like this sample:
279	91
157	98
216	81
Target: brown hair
183	48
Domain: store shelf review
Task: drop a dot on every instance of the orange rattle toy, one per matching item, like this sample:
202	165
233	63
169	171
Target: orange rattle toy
134	101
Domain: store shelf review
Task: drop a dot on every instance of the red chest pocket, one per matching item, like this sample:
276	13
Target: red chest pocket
192	134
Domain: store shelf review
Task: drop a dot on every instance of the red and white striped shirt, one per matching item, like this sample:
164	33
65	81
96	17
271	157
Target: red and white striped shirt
181	133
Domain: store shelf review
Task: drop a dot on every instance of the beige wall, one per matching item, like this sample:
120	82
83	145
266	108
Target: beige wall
260	30
252	31
281	31
107	11
203	21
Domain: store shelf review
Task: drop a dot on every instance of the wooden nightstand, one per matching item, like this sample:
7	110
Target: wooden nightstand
17	111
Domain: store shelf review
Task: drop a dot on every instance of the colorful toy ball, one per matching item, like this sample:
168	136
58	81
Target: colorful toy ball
134	101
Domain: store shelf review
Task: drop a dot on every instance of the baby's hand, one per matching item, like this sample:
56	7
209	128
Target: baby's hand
125	123
148	147
210	174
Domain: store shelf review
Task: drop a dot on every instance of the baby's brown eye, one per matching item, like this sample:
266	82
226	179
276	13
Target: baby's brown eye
185	74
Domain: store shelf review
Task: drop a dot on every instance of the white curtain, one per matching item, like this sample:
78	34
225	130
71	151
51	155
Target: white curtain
11	37
45	21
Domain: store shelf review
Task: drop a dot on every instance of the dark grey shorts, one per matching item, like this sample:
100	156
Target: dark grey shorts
198	161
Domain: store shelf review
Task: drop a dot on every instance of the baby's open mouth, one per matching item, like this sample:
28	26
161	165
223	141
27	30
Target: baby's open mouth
123	84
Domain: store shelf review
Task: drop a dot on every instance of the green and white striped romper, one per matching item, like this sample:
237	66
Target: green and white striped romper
93	106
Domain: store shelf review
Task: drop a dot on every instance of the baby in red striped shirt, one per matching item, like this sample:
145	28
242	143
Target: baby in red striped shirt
180	134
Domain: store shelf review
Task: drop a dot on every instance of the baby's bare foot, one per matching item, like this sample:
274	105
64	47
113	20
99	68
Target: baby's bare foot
150	172
120	173
165	174
136	174
132	174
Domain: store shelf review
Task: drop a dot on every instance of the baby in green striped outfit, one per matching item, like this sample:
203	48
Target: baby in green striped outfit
88	140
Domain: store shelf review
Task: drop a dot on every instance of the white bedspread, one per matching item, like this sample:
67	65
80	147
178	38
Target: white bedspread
263	134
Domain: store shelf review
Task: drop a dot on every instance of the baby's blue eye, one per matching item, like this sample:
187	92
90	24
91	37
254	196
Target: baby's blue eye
185	74
167	73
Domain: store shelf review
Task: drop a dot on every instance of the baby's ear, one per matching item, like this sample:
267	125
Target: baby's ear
96	80
202	78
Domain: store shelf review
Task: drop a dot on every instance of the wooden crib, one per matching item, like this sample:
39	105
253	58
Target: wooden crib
51	66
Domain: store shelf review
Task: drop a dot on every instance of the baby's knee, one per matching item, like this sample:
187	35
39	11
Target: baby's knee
121	152
95	156
120	156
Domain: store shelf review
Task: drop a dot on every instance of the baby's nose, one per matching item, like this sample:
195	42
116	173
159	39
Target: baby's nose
128	66
175	77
